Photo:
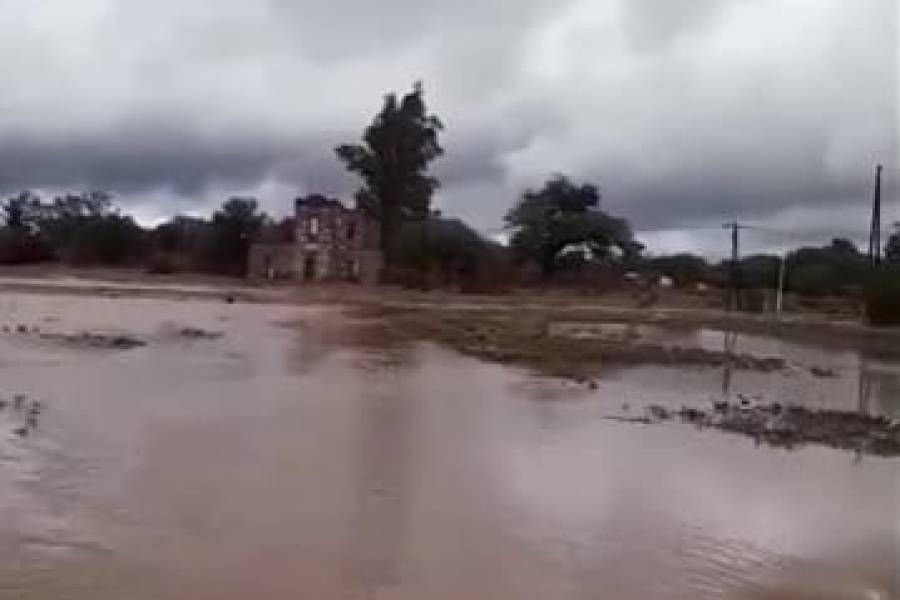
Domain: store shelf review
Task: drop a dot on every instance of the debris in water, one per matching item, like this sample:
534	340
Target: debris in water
789	427
636	420
199	334
96	340
659	413
823	372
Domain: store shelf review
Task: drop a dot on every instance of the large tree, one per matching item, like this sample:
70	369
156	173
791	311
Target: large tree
563	216
392	161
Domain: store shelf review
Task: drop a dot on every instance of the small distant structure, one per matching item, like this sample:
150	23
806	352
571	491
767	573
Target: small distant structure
329	243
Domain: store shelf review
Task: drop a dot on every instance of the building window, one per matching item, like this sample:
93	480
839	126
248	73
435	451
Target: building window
351	231
313	226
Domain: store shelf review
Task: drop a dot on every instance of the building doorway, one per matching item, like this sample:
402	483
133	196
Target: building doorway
309	267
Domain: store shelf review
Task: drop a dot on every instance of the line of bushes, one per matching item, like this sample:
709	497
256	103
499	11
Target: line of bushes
882	296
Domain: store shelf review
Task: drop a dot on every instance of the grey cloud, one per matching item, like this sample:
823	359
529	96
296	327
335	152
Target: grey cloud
132	161
653	25
350	28
683	111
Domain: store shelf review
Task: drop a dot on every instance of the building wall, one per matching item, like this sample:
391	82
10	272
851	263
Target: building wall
335	244
331	243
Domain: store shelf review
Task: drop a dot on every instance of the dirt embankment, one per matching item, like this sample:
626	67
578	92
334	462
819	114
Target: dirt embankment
527	339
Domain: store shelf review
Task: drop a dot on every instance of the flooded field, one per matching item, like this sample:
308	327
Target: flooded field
232	453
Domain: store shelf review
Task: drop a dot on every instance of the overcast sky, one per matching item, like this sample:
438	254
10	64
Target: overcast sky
686	113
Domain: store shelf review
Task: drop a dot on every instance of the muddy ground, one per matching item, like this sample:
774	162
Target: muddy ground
532	340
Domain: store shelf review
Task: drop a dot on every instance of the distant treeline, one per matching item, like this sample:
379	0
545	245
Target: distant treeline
835	269
89	229
559	235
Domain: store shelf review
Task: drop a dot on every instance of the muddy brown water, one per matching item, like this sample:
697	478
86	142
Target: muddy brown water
268	463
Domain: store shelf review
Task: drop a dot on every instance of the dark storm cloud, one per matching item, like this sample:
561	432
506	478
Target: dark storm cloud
135	160
685	112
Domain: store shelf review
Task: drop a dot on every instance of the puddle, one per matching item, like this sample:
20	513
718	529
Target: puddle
818	376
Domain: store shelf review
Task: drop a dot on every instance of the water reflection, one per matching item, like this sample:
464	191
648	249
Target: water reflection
730	340
386	460
879	387
877	378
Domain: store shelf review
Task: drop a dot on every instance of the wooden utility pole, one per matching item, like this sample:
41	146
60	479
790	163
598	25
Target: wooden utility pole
734	289
875	231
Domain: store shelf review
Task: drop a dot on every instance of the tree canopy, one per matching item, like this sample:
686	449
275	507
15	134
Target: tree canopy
88	228
892	249
393	160
79	228
830	269
561	217
684	268
234	227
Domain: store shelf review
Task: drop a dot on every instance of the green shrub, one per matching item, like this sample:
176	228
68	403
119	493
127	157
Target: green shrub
882	297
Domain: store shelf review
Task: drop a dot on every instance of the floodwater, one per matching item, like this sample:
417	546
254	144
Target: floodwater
275	463
840	377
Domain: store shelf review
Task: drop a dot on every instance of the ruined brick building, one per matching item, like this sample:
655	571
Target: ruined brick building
328	242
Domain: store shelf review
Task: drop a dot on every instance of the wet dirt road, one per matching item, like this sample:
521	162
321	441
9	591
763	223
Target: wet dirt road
271	463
